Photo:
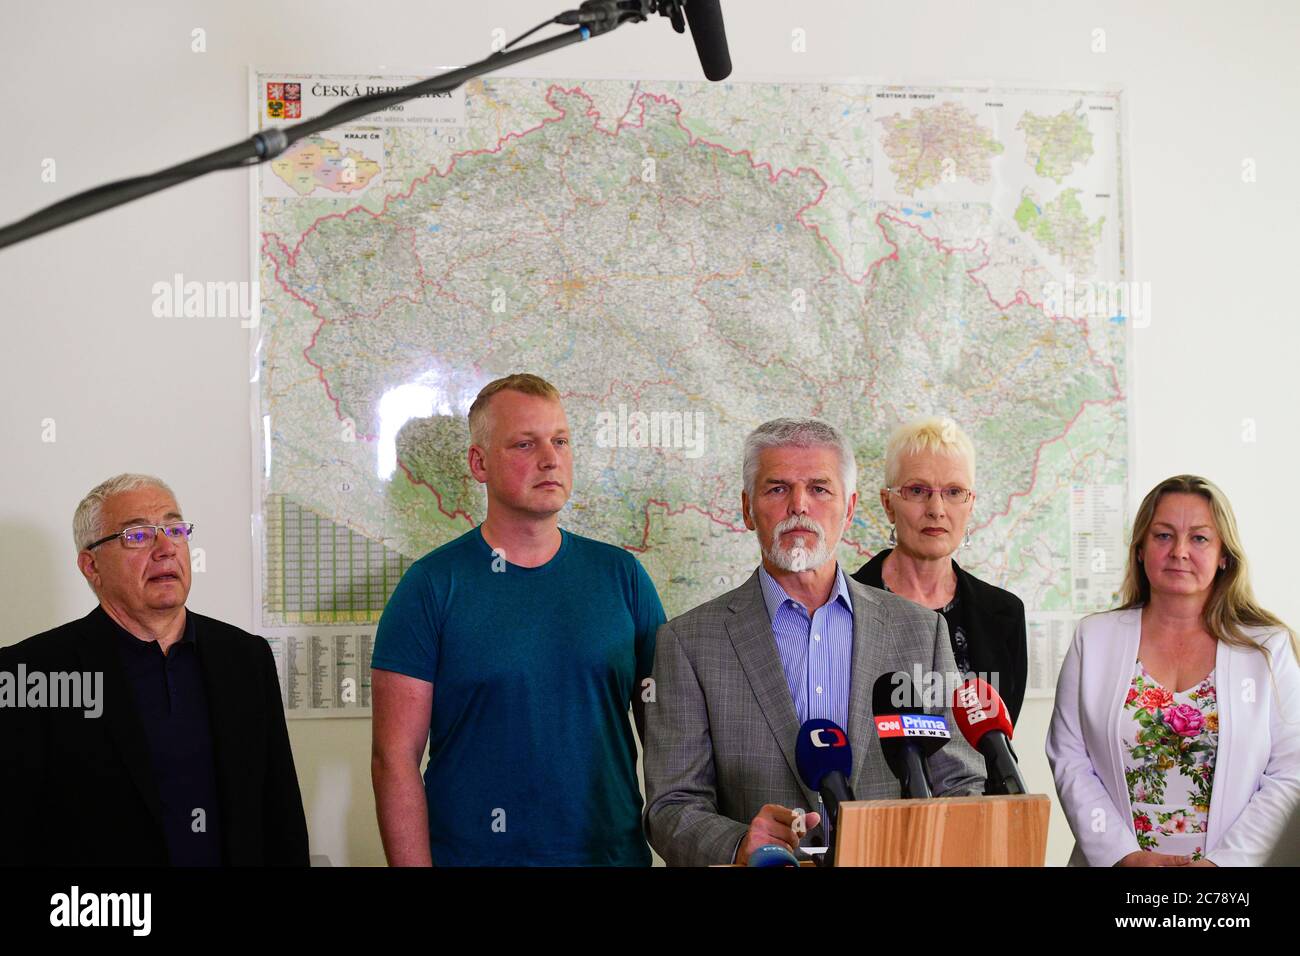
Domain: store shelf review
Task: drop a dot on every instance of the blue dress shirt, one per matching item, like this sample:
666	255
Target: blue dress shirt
816	650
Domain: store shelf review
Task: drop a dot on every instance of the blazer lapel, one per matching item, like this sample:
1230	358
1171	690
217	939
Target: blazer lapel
98	655
1228	741
751	636
868	662
985	627
1126	641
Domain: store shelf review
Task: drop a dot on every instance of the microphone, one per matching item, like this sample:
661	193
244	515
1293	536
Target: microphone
907	734
772	855
704	17
982	719
710	36
825	762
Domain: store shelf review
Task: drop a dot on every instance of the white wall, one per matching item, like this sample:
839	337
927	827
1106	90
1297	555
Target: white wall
108	91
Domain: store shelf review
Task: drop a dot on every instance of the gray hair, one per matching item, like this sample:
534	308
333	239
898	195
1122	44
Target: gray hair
86	527
799	433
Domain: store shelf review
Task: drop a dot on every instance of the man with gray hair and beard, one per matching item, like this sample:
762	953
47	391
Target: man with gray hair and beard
736	677
184	758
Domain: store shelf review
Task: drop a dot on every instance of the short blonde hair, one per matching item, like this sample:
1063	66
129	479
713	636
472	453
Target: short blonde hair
480	422
927	434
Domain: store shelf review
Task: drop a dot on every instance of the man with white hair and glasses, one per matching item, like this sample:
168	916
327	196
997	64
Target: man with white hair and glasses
173	750
737	676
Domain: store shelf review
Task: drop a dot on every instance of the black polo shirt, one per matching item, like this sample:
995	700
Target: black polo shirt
173	707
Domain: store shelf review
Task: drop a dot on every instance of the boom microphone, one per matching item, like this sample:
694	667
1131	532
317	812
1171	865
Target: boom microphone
982	718
907	734
705	18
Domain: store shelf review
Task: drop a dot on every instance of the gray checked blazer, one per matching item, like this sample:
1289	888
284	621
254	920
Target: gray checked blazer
721	732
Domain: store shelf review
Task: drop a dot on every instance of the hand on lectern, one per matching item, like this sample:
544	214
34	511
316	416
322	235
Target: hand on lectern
773	825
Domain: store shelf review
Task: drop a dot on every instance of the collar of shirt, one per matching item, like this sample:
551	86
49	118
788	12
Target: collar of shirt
774	595
132	644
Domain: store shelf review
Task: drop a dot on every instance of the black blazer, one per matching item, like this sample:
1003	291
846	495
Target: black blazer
996	632
80	791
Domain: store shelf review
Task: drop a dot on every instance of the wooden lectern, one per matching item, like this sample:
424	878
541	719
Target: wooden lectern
944	831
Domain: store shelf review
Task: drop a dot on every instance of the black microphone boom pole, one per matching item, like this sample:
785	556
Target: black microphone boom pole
595	18
264	146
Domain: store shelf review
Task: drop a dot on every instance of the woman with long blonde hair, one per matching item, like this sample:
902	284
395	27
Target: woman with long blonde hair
1176	734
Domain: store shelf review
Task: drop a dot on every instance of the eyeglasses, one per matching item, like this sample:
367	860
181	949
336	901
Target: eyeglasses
952	495
143	535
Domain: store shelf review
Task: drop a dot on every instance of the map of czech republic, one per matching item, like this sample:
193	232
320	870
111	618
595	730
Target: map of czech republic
713	254
318	163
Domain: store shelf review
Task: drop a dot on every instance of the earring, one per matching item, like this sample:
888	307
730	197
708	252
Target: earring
965	542
893	537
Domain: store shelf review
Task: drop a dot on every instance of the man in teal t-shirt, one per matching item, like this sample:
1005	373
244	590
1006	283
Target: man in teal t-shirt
514	651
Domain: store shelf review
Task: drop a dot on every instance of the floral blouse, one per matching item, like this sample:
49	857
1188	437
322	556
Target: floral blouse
1169	740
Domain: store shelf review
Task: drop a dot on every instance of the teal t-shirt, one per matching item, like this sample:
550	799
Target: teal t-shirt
532	758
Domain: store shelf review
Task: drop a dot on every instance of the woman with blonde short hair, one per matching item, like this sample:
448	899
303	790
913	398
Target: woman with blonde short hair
928	497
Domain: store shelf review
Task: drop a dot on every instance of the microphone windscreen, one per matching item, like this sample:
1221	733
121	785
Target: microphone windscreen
896	707
894	693
710	36
977	709
822	747
772	855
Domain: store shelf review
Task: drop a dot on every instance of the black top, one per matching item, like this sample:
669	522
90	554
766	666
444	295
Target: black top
173	707
987	627
953	614
78	788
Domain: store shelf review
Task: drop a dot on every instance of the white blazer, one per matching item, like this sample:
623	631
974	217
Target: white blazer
1256	771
